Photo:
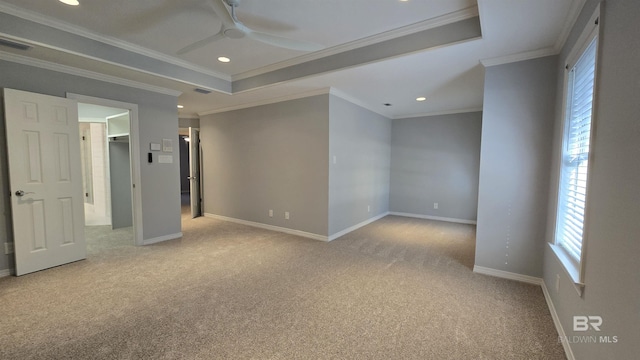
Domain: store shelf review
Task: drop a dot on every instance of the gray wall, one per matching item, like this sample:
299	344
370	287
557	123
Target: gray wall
269	157
360	141
436	159
157	120
517	127
612	267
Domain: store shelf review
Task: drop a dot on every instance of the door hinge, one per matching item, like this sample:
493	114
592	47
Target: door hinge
83	138
86	194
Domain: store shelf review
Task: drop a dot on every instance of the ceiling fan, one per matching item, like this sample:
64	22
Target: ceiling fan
232	28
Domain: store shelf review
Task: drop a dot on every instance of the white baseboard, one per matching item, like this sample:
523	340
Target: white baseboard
161	239
556	321
507	275
536	281
5	272
438	218
357	226
269	227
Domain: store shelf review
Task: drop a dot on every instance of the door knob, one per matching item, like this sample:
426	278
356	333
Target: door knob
22	193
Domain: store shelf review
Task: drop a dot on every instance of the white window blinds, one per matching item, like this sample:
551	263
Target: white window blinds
575	158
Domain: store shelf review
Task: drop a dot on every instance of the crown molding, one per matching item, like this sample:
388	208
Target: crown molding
439	113
24	60
572	17
77	30
321	91
528	55
124	66
266	101
353	100
388	35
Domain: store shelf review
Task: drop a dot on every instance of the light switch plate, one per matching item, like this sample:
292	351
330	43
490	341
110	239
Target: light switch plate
155	146
167	145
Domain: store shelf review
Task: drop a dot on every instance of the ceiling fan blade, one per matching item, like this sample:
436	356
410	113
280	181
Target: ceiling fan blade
220	8
201	43
283	42
234	29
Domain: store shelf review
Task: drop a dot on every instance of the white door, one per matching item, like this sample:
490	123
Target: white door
194	172
45	180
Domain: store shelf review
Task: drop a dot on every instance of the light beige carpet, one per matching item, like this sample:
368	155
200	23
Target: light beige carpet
397	289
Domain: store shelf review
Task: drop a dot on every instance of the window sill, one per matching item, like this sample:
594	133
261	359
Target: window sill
570	267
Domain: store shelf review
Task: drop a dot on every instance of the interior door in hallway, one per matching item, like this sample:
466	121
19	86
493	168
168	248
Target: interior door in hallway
45	180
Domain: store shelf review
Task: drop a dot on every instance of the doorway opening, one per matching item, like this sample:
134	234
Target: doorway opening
190	172
185	186
110	165
106	169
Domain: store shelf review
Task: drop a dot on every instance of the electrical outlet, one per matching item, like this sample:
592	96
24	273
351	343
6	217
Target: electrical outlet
8	248
557	282
435	205
270	212
286	215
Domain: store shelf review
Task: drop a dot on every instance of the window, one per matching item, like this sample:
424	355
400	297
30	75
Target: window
574	166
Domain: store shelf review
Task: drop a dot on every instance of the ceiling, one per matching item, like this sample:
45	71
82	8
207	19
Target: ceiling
376	51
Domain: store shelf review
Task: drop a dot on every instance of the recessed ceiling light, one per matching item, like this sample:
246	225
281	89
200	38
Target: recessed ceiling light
421	98
180	106
70	2
404	0
224	59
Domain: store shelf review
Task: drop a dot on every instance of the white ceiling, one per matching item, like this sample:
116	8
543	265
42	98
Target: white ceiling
450	76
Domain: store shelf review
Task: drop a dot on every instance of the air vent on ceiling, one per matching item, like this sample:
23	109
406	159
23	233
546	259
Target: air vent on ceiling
202	91
14	44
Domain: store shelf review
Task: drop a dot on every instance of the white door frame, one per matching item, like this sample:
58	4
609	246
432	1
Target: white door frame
135	155
195	182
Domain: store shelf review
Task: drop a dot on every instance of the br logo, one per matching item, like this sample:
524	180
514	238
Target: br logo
582	323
